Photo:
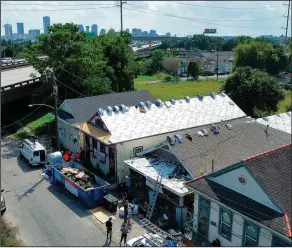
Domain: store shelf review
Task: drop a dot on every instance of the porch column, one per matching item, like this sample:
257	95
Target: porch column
107	155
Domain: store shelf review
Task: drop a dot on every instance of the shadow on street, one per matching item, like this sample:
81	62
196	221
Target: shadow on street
69	201
30	190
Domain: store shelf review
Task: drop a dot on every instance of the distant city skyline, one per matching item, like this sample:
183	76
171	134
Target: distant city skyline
252	18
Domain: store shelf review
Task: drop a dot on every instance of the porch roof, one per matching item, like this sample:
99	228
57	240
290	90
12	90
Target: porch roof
150	169
95	132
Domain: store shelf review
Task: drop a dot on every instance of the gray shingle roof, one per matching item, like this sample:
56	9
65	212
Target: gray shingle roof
229	146
273	170
84	108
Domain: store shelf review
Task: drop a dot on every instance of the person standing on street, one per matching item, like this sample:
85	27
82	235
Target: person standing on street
109	229
126	210
124	231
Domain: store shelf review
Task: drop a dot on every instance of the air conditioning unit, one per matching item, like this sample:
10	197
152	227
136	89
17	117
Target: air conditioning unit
187	99
116	109
109	110
99	111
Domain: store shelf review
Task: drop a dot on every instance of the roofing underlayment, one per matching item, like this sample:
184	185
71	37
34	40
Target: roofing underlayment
169	117
281	121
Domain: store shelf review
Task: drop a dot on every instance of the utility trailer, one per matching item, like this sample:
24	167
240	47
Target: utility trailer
91	196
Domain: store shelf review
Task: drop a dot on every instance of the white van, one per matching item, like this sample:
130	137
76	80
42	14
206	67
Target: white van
33	152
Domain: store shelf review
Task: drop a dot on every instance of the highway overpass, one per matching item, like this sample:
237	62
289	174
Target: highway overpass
18	83
157	38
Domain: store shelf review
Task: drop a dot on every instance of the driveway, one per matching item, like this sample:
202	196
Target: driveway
45	215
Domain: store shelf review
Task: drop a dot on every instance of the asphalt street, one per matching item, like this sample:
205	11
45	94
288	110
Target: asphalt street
17	75
45	215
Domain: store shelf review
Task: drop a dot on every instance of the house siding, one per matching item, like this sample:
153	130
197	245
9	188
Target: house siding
265	235
67	133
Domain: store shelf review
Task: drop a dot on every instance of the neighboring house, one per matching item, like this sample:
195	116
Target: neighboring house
225	60
117	133
194	155
78	110
178	66
246	204
281	121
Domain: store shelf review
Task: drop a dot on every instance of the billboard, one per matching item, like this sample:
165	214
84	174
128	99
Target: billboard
210	31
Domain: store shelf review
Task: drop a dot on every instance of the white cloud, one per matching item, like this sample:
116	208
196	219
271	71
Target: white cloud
268	7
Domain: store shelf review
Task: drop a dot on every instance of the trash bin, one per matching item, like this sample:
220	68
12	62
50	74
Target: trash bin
110	203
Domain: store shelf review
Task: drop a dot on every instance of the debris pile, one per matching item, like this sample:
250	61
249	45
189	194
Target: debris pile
81	178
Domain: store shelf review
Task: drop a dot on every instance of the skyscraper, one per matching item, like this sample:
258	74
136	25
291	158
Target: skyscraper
152	33
81	28
8	31
94	29
128	30
20	29
46	23
33	33
87	29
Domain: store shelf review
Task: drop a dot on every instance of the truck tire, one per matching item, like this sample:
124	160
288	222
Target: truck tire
21	154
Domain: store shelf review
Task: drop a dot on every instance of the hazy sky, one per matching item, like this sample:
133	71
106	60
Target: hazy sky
228	17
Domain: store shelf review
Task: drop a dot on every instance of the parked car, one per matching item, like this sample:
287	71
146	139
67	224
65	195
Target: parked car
33	152
146	240
6	61
3	205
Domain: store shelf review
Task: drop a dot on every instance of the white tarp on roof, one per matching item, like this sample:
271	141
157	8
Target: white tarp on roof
150	170
281	121
133	124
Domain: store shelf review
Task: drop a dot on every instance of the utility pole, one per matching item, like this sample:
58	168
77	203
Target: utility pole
121	9
217	61
55	92
287	23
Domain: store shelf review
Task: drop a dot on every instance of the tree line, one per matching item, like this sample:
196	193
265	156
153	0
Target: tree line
89	66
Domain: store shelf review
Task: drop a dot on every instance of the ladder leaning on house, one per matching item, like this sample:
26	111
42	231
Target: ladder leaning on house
152	203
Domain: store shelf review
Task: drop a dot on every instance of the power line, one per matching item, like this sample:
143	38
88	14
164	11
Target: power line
70	88
217	7
71	5
26	115
219	20
32	10
191	19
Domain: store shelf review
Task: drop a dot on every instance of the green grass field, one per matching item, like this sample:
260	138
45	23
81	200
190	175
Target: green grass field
157	76
287	101
165	91
34	126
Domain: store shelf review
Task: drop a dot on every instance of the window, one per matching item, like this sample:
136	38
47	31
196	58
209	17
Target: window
225	224
36	154
102	147
137	150
279	242
250	235
98	122
94	145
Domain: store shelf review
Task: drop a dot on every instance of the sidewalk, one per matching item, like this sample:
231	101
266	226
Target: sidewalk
136	229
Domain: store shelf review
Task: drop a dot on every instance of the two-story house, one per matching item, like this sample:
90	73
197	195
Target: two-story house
246	204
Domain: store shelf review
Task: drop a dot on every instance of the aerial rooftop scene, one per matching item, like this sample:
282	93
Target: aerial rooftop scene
146	123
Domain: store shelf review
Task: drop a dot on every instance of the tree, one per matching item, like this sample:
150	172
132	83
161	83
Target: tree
89	66
157	61
72	56
122	67
194	70
260	55
254	91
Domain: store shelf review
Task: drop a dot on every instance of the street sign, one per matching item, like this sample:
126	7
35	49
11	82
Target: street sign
210	31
